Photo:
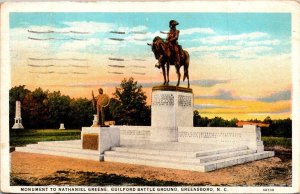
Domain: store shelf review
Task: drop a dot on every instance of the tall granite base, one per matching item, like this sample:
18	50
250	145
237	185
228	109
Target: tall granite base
171	107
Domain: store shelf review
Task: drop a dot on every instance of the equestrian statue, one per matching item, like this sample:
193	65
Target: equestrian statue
170	53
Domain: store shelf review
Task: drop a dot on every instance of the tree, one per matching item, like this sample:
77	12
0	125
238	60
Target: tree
35	106
128	107
217	122
268	120
232	122
80	114
200	121
58	107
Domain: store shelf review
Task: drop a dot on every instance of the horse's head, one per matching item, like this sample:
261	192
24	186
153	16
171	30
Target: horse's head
156	46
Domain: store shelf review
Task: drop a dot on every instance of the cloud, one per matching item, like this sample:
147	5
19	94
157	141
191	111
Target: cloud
197	30
220	94
212	106
277	96
203	83
228	95
208	82
81	45
261	42
232	51
225	38
139	29
91	27
214	48
92	84
283	111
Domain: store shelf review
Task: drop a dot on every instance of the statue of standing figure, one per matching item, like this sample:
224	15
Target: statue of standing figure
100	102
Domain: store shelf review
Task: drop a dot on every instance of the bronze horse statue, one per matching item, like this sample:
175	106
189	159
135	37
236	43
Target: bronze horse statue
165	58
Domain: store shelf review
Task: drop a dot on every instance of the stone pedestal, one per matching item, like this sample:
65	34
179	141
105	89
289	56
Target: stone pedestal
100	138
95	121
171	107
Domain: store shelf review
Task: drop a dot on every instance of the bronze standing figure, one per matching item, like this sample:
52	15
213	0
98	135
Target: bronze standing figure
99	102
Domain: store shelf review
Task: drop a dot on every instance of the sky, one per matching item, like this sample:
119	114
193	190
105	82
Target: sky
240	64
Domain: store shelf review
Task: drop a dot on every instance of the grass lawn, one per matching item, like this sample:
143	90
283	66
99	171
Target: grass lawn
277	141
29	136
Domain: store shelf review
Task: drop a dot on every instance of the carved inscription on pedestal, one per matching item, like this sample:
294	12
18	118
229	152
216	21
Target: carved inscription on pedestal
184	101
163	100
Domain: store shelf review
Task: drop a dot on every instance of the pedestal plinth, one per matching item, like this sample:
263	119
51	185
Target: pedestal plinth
171	107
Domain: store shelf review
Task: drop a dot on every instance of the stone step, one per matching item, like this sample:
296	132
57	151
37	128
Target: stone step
155	163
179	159
222	163
69	144
221	151
204	159
169	152
81	154
62	148
203	167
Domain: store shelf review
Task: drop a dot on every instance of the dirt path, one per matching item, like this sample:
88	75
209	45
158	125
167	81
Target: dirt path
271	171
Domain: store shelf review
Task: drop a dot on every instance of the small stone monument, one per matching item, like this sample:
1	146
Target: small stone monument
62	126
18	119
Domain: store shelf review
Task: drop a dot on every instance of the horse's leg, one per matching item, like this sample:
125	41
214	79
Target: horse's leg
185	72
178	73
188	78
164	73
168	70
187	68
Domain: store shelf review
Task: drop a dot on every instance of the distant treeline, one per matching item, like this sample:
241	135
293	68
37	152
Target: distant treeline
277	128
42	109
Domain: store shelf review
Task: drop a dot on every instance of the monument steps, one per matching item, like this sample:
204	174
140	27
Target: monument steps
181	159
222	163
170	151
208	160
177	159
204	159
63	148
69	143
155	163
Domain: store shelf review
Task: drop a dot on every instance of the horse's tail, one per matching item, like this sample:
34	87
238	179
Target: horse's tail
186	65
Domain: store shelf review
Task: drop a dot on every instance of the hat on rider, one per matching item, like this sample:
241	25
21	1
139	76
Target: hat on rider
173	23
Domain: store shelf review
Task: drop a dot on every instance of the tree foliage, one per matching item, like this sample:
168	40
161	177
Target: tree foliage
215	122
277	128
128	107
43	109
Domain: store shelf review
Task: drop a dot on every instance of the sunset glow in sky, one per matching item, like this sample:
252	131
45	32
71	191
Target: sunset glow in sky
240	62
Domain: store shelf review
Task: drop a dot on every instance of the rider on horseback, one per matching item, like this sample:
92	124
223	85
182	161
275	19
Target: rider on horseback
168	53
172	41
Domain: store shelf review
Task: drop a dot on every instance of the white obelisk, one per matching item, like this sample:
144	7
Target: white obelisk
18	119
